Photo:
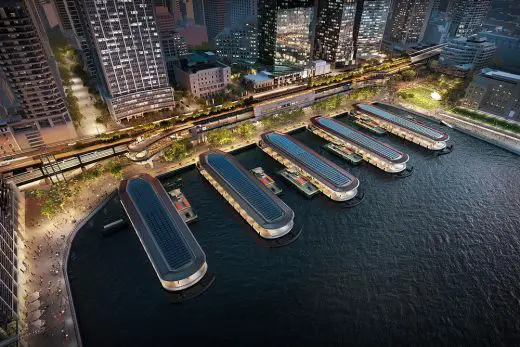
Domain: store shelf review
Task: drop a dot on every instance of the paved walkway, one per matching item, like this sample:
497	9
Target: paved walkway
45	257
88	126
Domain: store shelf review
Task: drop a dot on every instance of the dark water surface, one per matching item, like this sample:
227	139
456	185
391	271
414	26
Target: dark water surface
432	259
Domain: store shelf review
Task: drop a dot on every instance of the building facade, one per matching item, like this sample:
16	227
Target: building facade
471	53
467	16
286	30
238	43
372	15
129	57
495	92
241	10
174	49
11	227
215	14
407	21
205	77
31	72
335	38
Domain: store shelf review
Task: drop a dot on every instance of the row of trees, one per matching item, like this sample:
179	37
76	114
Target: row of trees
372	66
494	121
60	194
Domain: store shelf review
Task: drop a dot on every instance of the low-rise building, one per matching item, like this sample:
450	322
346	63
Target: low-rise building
495	92
471	53
203	75
258	82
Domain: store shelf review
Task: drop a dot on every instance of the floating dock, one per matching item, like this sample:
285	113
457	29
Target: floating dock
300	182
183	206
329	178
370	126
267	214
344	153
266	180
371	150
408	129
172	249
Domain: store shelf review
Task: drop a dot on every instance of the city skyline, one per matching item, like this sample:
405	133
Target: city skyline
334	170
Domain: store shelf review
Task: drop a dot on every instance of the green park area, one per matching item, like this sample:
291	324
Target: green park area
450	90
419	96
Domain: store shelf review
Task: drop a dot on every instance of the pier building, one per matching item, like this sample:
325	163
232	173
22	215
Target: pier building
267	214
403	127
371	150
329	178
175	254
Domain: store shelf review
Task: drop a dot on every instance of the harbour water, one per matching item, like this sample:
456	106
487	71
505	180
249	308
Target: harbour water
431	259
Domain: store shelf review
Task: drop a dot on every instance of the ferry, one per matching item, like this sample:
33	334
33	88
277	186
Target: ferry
344	152
182	206
300	182
369	125
266	180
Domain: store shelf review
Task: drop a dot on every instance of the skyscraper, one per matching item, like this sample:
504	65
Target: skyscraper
30	69
241	10
372	20
286	30
407	21
71	14
335	34
215	13
129	58
467	16
11	220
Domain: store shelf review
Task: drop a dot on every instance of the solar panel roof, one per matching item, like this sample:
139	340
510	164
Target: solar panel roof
245	187
309	159
360	138
161	226
421	129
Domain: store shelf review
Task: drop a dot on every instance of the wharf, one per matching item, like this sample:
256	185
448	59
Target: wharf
329	178
408	129
265	212
371	150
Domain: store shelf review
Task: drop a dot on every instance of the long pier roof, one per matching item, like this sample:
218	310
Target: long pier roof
350	134
173	250
267	209
411	125
323	169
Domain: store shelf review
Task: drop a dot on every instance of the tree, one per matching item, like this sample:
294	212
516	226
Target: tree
73	107
408	74
220	137
179	150
64	75
245	130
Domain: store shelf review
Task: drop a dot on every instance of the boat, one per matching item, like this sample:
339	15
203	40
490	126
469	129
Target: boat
446	124
300	182
266	180
344	153
182	206
369	125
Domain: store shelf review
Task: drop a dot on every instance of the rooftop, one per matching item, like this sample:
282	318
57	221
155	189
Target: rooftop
322	169
412	125
500	75
352	135
169	243
259	77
